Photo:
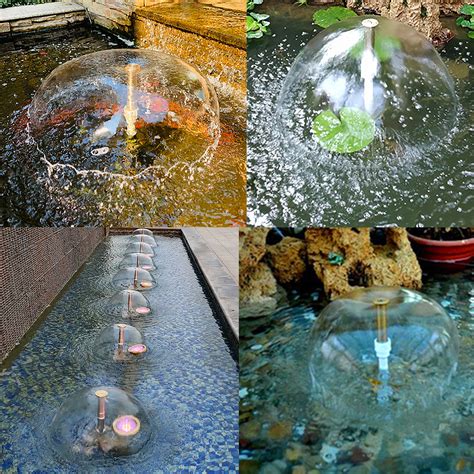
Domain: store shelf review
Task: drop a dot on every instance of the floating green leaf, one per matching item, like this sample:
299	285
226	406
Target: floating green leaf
353	130
331	15
384	47
335	259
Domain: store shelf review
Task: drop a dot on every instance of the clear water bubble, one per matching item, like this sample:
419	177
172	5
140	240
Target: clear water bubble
393	350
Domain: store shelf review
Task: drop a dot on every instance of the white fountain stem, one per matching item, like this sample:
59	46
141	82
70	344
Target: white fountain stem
382	350
369	64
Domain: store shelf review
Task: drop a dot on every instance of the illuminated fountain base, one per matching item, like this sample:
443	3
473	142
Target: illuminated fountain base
381	352
99	422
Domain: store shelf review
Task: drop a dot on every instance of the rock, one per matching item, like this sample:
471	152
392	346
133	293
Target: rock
252	249
298	470
275	467
249	466
359	262
355	456
250	430
423	16
280	430
287	259
294	453
258	291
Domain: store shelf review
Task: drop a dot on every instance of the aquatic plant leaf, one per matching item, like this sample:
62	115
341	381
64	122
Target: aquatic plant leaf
471	34
251	24
331	15
335	259
467	10
352	131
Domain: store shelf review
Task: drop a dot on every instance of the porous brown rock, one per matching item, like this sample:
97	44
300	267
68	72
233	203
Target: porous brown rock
363	263
287	259
258	286
424	15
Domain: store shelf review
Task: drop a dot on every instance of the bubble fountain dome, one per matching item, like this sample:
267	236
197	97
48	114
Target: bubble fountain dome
134	278
120	342
129	303
366	81
98	423
139	260
143	238
381	352
124	110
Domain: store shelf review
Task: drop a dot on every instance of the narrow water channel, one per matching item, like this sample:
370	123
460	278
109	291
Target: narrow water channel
187	382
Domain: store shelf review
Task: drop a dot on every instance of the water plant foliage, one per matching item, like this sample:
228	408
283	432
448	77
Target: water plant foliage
353	130
331	15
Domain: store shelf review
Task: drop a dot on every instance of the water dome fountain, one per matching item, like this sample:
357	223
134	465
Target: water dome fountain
120	342
139	260
129	303
139	247
143	238
366	83
124	110
98	423
143	232
381	352
134	278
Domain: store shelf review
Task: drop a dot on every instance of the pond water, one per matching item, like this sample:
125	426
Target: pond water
281	428
169	194
287	187
187	382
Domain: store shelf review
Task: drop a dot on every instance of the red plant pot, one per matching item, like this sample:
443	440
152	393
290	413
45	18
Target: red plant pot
446	255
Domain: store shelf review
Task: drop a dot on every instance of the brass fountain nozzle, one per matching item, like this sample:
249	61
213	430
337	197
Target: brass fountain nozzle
102	396
381	305
121	337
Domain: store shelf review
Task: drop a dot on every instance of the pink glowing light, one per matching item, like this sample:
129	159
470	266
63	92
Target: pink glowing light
142	310
126	425
137	349
147	267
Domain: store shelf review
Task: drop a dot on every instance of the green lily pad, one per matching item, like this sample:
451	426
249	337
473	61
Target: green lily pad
331	15
353	130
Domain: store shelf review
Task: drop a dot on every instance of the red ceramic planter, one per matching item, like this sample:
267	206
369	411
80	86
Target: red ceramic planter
448	255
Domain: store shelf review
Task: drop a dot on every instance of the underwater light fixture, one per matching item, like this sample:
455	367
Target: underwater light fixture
137	349
127	425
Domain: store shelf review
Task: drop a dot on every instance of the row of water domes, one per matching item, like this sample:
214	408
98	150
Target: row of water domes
97	423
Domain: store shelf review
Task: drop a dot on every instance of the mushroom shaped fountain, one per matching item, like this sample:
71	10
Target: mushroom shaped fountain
140	247
120	342
134	278
381	352
124	110
140	260
129	303
99	423
366	83
147	239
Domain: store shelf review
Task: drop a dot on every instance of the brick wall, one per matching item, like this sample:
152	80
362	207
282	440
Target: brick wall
35	264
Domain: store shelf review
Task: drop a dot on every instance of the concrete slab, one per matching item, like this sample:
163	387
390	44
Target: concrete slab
216	250
42	9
